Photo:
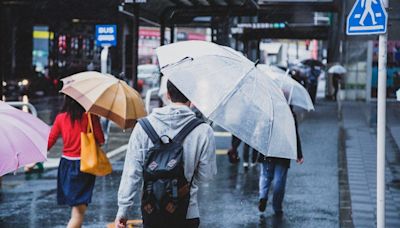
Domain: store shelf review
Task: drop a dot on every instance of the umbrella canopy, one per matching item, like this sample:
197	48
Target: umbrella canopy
294	92
228	89
398	95
162	92
24	139
312	63
337	69
105	96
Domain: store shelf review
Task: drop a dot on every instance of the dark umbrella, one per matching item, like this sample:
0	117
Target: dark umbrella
313	63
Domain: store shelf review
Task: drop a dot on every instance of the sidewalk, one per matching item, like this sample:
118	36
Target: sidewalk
359	124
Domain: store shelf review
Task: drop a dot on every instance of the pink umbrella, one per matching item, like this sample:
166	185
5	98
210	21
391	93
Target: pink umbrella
23	139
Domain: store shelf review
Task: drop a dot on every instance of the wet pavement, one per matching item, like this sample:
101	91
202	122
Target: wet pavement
359	124
230	200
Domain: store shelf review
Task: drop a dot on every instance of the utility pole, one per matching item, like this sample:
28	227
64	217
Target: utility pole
381	128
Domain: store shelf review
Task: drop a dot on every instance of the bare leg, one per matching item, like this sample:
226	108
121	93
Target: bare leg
77	216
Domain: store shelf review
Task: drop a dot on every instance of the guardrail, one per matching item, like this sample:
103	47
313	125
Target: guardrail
147	98
23	104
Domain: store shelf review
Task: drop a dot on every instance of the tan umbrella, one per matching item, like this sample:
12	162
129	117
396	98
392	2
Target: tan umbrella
105	96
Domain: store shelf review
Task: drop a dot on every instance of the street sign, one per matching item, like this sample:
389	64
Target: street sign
106	35
367	17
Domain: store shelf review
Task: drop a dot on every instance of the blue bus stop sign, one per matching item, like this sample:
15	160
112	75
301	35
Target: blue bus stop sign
367	17
106	35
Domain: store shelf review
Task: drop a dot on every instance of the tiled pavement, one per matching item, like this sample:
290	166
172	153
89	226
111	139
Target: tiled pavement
360	143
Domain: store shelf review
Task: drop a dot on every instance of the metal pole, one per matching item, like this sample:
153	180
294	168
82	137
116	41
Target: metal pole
172	34
381	129
162	31
135	46
104	59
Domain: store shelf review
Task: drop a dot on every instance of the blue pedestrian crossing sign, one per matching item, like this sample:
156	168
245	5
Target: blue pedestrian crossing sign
367	17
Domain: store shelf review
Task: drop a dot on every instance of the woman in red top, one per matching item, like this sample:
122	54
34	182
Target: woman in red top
73	186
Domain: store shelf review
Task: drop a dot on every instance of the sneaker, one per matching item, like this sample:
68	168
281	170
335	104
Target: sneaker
262	204
253	164
245	165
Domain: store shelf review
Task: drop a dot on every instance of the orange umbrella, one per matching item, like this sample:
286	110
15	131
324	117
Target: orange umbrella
105	96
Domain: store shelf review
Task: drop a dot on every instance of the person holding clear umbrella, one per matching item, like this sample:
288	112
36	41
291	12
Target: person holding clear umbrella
337	72
273	169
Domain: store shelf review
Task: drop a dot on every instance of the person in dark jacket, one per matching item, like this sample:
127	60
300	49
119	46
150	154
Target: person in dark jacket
275	169
336	79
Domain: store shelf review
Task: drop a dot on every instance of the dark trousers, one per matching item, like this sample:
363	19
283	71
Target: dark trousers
246	154
246	149
336	82
235	142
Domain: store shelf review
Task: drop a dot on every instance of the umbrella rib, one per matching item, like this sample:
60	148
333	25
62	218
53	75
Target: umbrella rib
115	96
26	134
223	100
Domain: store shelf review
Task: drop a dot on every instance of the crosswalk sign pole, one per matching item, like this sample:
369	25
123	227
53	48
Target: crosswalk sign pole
368	17
381	129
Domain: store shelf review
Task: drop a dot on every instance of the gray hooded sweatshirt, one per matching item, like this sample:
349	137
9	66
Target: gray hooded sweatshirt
198	155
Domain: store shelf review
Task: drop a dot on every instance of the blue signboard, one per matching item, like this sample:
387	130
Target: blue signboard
367	17
106	35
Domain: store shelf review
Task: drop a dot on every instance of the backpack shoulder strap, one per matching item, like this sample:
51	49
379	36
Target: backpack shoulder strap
145	123
187	129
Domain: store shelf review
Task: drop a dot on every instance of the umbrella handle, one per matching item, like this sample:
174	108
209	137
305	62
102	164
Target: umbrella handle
16	157
290	95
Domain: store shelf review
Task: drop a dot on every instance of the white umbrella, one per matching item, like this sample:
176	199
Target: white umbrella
162	93
228	89
337	69
398	95
294	92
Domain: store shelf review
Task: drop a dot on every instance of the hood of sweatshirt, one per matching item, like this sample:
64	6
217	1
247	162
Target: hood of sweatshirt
171	117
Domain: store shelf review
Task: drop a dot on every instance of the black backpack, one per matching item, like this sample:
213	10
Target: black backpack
166	192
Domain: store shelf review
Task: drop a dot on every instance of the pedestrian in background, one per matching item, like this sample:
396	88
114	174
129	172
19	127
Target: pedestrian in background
233	154
273	169
336	80
74	187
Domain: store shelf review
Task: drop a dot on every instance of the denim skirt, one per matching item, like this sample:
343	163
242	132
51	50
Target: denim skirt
73	186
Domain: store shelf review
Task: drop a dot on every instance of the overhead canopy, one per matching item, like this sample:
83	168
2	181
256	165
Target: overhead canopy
187	12
184	11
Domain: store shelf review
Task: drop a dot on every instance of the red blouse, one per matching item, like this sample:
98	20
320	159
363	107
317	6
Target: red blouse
71	133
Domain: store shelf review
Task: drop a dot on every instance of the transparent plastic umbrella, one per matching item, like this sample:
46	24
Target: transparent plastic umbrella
228	89
294	92
337	69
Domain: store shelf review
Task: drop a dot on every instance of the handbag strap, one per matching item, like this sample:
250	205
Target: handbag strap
89	126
